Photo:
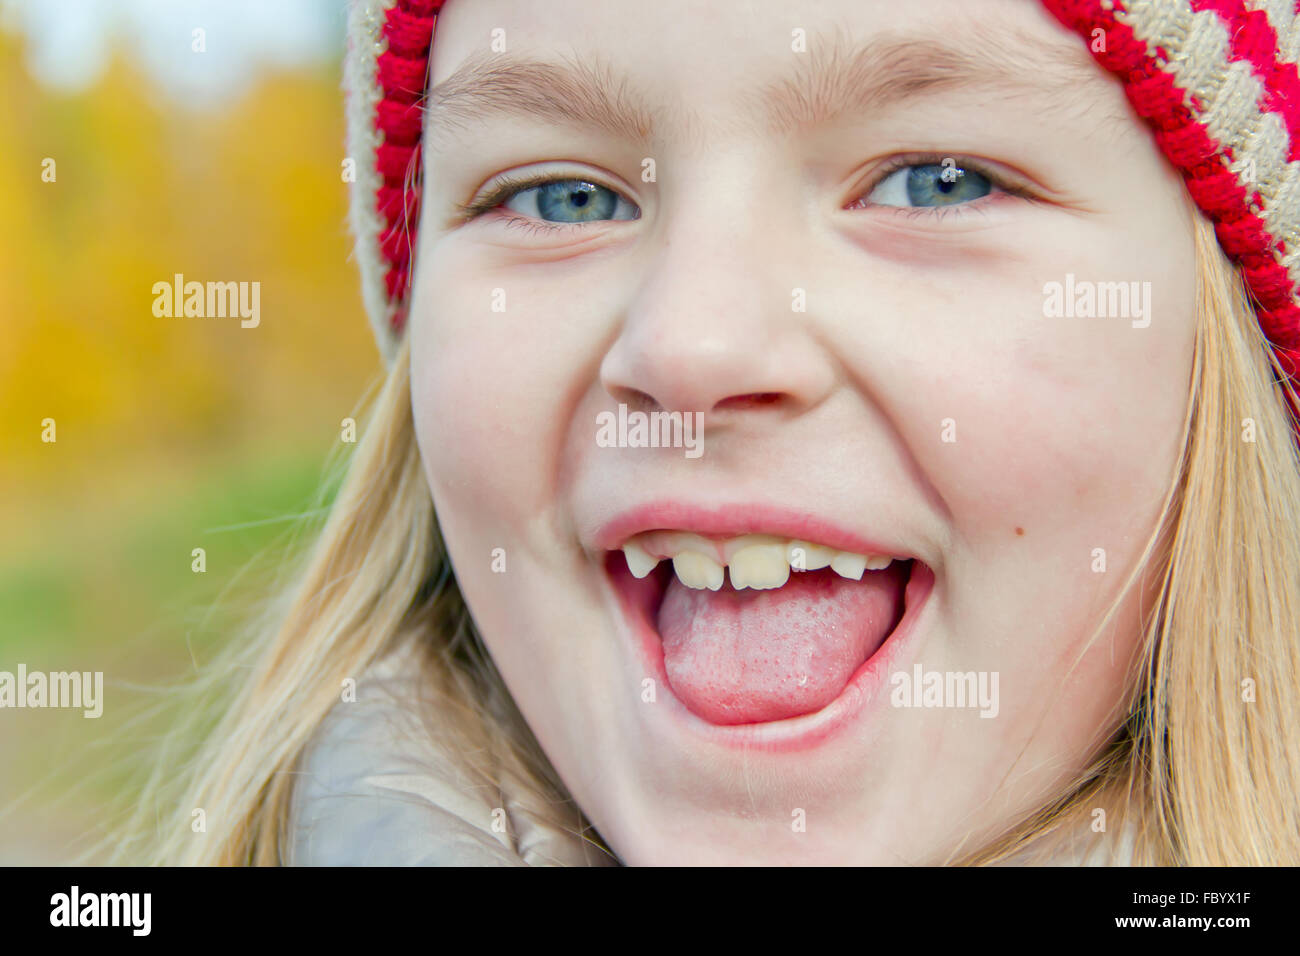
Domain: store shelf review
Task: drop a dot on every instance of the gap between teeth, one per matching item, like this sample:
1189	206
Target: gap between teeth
761	562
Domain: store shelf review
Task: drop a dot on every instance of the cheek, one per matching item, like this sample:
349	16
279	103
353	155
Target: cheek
1056	425
485	404
503	357
1049	443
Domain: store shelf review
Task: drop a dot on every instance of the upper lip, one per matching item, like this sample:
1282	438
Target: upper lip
731	520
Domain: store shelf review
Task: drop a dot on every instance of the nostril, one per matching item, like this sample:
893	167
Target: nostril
634	399
753	400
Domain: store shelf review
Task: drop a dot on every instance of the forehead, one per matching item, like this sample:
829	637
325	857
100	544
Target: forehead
644	70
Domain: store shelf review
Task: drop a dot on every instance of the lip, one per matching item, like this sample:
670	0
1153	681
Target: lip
794	734
737	519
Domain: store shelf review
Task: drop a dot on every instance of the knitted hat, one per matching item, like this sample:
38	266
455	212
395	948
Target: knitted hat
1215	79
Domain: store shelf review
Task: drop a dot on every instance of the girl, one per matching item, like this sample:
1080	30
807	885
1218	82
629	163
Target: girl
951	511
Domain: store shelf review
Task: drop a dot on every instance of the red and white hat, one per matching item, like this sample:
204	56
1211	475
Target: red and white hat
1216	80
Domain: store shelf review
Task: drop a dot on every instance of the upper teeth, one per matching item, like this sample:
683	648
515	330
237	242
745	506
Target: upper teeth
759	566
756	561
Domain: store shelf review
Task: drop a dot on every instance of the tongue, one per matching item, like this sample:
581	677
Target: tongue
740	657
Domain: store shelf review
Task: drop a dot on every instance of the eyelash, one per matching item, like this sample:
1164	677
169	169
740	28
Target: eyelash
998	181
507	187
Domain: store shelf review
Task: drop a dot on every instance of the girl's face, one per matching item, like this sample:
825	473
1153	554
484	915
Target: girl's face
923	283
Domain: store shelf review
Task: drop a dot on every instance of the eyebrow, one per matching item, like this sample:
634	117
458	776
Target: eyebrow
838	78
834	78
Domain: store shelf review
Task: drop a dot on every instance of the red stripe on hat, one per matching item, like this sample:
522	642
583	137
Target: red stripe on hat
394	162
395	280
401	72
423	8
402	79
401	122
397	239
409	33
1290	360
1252	39
396	202
1219	194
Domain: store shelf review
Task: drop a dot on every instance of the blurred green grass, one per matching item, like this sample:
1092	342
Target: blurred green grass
113	590
140	560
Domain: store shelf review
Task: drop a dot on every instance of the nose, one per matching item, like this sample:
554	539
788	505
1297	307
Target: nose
715	326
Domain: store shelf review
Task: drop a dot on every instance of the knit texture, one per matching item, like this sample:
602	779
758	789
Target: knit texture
384	76
1217	81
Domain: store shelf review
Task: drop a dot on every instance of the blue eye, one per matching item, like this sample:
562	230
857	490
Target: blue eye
570	200
930	184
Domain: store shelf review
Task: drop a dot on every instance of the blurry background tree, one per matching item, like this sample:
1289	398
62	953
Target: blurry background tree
172	433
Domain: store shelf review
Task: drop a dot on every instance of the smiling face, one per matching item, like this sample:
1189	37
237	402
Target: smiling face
843	283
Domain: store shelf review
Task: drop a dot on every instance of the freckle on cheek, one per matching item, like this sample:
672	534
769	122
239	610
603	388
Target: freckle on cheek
1020	532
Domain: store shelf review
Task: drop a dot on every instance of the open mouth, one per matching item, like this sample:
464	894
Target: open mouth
758	628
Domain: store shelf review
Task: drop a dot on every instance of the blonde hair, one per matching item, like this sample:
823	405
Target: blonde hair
1202	775
377	576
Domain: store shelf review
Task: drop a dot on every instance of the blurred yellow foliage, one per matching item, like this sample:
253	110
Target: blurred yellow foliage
145	189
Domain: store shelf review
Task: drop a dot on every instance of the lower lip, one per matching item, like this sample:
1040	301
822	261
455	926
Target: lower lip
796	733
